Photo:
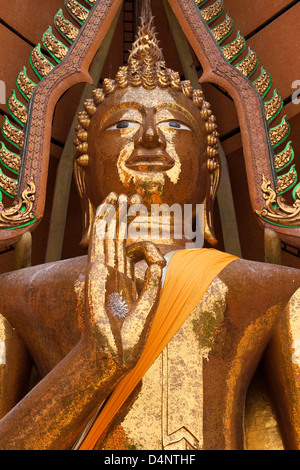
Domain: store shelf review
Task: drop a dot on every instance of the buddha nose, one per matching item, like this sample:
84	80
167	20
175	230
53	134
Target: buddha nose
151	136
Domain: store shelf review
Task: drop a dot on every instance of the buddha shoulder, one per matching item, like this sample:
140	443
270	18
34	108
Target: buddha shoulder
29	288
251	281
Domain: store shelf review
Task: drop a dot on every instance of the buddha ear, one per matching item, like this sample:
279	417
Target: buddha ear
88	211
213	166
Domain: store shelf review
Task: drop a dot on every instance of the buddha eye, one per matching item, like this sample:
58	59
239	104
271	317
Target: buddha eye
124	125
175	125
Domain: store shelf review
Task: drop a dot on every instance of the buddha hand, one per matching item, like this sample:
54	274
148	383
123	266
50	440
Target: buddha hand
117	318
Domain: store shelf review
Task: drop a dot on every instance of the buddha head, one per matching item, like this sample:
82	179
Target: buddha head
147	132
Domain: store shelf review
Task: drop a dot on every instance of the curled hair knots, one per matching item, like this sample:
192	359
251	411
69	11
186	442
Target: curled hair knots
109	86
163	77
98	96
175	81
187	88
198	98
121	77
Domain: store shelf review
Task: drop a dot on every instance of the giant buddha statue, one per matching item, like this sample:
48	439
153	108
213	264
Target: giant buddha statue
146	342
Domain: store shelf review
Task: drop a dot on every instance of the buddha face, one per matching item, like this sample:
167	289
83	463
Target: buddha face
149	142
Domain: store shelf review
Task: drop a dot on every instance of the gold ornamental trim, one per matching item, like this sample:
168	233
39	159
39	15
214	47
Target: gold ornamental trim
286	181
25	84
17	109
12	133
211	12
284	157
273	106
8	184
42	65
249	64
9	159
279	133
65	27
263	82
54	46
78	11
234	48
276	210
20	213
223	29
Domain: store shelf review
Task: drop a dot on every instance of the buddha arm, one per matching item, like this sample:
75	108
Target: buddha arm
116	327
55	411
58	407
282	361
52	414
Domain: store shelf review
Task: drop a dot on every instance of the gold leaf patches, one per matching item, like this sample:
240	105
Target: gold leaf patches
24	84
234	48
79	12
221	31
213	11
9	159
12	133
17	109
281	159
40	64
249	64
56	48
286	181
263	83
279	133
8	185
65	27
274	106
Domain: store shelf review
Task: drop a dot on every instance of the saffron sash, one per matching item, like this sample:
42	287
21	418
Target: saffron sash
189	274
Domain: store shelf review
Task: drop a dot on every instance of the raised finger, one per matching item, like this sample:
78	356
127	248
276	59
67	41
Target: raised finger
121	235
99	229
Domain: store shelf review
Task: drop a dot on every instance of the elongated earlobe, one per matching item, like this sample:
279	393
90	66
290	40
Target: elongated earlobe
214	175
88	211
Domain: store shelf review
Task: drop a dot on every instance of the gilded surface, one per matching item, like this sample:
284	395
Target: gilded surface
66	28
40	63
261	425
168	412
25	84
54	46
223	29
286	181
90	334
211	12
12	133
10	159
17	108
278	133
77	10
21	212
284	157
234	48
273	106
10	185
263	82
276	209
248	64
